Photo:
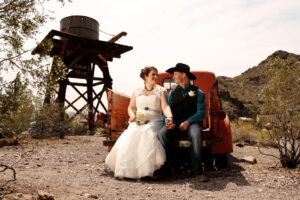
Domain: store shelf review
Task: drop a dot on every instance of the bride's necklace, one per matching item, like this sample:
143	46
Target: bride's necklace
148	89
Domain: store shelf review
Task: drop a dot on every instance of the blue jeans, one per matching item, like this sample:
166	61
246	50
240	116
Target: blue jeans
165	136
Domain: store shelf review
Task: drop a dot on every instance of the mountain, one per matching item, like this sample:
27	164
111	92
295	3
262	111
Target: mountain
241	95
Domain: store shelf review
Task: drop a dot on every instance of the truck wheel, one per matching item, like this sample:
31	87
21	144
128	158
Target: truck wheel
221	161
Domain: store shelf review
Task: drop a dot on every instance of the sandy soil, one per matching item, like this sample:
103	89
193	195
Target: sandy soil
73	168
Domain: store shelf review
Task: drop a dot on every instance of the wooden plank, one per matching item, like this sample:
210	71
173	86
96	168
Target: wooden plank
96	44
117	37
69	45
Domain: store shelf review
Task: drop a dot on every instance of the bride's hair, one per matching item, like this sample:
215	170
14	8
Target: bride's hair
146	71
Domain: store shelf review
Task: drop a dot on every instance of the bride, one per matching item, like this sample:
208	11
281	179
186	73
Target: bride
138	153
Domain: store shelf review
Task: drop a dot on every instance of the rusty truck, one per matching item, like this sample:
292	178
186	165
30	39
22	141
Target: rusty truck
216	131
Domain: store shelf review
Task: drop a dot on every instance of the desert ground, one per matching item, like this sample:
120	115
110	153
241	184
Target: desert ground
73	169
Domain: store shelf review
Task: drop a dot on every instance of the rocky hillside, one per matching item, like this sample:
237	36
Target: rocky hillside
241	95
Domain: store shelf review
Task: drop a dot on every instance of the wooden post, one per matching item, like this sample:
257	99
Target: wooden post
90	99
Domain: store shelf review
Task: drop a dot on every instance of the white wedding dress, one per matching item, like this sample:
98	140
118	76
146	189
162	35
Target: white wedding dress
138	153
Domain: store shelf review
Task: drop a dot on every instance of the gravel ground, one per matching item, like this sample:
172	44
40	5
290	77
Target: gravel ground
73	168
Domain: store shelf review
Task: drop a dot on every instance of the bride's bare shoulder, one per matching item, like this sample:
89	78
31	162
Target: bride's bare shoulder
160	88
138	91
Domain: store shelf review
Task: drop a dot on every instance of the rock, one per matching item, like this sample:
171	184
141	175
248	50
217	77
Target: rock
18	196
250	141
249	159
91	196
44	196
239	145
8	141
246	119
98	134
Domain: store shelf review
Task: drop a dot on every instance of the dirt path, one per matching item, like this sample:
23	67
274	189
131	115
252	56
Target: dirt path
74	168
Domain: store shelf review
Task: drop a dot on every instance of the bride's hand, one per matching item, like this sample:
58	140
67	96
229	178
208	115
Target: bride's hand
131	119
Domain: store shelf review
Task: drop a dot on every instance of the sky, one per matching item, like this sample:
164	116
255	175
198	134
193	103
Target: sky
223	36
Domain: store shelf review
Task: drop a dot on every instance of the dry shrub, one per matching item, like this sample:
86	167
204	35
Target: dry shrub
50	120
79	128
281	100
243	131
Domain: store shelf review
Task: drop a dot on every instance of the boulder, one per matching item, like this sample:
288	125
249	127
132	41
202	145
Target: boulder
249	159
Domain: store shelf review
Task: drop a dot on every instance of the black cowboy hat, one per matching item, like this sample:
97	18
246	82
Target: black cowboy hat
180	67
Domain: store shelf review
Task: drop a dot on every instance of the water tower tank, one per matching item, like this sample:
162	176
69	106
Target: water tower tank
82	26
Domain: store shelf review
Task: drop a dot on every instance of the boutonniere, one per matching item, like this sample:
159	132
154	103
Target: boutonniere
192	93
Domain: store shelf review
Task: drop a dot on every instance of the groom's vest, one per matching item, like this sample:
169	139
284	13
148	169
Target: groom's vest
183	107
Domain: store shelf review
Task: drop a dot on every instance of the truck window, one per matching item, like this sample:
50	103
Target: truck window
168	83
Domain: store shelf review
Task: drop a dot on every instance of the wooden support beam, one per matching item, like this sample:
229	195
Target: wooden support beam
71	104
75	100
117	37
99	97
81	77
83	107
99	83
62	90
76	84
75	61
103	106
90	102
103	67
79	93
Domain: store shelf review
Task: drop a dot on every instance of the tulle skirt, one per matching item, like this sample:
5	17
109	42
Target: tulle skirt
137	153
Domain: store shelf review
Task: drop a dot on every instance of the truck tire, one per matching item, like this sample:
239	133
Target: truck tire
221	161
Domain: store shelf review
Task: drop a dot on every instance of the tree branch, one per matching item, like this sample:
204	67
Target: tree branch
13	57
14	174
267	154
6	167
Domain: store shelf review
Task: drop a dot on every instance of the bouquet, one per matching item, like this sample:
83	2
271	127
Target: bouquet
140	117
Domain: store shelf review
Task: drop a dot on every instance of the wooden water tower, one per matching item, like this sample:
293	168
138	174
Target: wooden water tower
78	45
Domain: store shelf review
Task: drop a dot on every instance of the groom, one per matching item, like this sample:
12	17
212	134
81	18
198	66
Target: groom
187	103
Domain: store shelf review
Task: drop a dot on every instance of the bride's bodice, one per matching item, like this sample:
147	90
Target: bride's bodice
150	105
151	102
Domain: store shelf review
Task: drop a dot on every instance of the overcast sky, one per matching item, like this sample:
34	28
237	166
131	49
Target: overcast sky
223	36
